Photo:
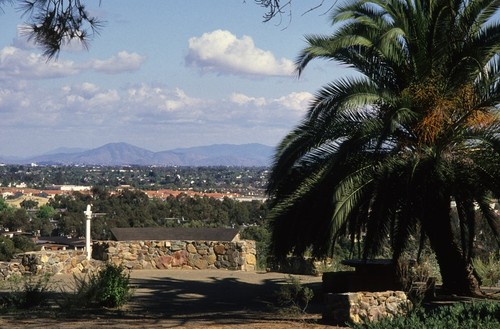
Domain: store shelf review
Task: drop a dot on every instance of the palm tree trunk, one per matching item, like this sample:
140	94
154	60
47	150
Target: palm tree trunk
458	276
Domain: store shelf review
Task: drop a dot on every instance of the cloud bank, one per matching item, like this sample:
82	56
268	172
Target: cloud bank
143	114
18	64
222	52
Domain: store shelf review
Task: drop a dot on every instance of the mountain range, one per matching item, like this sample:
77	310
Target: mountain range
116	154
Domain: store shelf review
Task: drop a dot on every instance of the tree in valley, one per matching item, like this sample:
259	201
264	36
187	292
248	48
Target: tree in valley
40	223
28	204
385	152
3	205
7	248
15	219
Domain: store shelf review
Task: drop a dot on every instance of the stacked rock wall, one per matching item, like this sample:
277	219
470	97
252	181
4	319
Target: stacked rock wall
239	255
137	255
54	262
362	307
7	269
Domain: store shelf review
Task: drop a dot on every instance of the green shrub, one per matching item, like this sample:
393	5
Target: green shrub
488	270
110	287
7	248
23	244
484	315
416	279
293	296
114	286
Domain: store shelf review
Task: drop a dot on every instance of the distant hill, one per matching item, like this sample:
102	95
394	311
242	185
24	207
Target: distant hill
115	154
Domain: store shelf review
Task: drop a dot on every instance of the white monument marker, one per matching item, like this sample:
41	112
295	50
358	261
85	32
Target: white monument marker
88	214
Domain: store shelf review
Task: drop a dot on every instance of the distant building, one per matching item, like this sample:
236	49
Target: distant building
60	243
74	188
164	193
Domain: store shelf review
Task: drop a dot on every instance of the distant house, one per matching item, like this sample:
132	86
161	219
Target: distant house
175	233
60	243
5	232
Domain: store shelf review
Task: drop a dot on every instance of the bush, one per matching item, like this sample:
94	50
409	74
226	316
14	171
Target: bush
416	279
293	296
484	315
23	243
110	287
489	270
7	249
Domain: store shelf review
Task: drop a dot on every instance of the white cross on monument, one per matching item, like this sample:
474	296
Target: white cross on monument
88	214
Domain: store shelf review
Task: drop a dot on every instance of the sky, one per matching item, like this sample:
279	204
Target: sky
161	75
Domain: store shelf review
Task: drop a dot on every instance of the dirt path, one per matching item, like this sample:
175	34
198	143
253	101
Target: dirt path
188	299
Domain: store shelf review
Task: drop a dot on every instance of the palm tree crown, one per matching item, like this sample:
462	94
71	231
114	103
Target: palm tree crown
389	149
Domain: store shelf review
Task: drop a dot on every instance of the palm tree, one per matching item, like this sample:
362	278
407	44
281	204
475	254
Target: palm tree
386	151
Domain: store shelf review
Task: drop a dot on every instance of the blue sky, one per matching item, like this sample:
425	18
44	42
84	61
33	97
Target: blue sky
161	75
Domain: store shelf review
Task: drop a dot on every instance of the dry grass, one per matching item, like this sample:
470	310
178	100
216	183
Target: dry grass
17	202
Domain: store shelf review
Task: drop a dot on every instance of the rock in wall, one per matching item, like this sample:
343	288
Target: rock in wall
362	307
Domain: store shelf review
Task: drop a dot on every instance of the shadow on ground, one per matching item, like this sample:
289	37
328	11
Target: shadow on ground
215	299
181	299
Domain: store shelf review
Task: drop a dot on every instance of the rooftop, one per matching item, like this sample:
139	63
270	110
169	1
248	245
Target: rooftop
174	233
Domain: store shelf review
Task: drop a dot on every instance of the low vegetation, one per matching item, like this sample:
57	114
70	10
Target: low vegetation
489	269
484	315
293	297
109	287
9	247
25	292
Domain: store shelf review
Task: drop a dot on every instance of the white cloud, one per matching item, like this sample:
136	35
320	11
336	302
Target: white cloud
242	99
298	101
145	103
121	62
20	64
89	99
17	64
161	99
85	89
86	110
221	51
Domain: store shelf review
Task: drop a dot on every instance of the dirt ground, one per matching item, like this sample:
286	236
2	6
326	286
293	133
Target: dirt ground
186	299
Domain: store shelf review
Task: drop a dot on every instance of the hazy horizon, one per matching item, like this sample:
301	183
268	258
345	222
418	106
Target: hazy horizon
167	75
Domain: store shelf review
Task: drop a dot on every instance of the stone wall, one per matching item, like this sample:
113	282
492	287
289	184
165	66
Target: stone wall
239	255
362	307
54	262
137	255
